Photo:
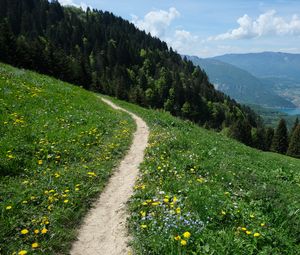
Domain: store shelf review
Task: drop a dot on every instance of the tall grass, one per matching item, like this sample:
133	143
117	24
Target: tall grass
58	146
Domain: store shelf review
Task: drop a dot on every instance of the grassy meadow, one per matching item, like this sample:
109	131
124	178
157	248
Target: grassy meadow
200	192
58	145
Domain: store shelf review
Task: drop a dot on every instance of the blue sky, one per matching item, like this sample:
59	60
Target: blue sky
209	28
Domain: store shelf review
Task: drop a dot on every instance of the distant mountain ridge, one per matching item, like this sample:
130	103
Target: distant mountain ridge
239	83
266	64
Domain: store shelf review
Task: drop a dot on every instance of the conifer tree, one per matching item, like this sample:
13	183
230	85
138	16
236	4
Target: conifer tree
269	138
280	139
296	123
294	147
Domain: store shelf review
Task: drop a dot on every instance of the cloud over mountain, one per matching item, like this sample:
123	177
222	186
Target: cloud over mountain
268	23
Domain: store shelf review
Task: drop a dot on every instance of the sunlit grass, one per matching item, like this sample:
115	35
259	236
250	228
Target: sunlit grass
230	198
58	146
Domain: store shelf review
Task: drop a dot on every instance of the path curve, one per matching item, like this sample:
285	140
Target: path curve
103	231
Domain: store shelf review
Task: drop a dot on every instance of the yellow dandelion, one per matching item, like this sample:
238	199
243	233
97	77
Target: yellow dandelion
36	231
66	201
155	203
177	238
44	231
24	231
248	232
262	224
35	245
76	189
183	242
22	252
40	162
143	226
186	234
8	207
178	210
200	180
256	234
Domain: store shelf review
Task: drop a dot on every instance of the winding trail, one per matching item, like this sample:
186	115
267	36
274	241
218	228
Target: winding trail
103	231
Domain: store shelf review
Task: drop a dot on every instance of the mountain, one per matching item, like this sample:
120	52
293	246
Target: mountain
240	84
279	71
107	54
266	64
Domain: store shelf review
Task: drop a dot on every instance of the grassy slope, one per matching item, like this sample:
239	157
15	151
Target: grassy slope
219	190
58	145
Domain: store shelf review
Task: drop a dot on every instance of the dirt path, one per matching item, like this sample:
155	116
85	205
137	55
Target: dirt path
104	229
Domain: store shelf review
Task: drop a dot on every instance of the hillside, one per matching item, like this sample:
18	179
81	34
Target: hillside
107	54
202	193
197	192
280	72
240	84
58	145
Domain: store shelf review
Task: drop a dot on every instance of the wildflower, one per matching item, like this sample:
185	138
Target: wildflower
223	212
186	234
243	228
200	180
35	245
248	232
44	231
252	216
24	231
178	210
166	200
36	231
262	224
66	201
24	202
183	242
177	238
256	234
56	175
8	207
23	252
40	162
155	203
76	189
143	213
91	174
143	226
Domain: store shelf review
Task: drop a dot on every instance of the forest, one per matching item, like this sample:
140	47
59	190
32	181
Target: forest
107	54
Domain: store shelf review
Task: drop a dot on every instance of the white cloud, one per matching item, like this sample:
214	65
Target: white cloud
266	24
82	5
156	22
183	41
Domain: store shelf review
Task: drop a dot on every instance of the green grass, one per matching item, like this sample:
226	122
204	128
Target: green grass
231	198
58	145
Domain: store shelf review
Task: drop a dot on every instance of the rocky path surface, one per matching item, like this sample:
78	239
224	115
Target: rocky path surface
103	231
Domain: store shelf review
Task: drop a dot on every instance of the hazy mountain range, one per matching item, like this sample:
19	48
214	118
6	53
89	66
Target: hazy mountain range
268	79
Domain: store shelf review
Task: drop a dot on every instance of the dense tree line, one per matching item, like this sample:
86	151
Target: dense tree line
108	54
